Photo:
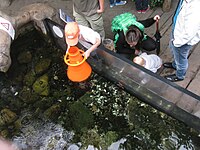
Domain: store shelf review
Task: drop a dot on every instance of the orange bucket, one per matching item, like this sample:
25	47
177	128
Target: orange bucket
78	69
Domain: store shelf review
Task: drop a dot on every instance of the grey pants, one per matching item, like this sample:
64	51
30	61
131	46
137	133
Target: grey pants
95	22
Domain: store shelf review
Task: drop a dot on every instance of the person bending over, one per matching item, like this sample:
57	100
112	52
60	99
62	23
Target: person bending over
129	36
75	32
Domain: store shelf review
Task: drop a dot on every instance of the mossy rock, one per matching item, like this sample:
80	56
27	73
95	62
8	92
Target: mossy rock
81	117
27	95
42	65
52	112
29	78
41	85
7	117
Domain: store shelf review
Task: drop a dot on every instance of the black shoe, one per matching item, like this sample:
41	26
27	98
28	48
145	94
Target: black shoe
168	65
173	78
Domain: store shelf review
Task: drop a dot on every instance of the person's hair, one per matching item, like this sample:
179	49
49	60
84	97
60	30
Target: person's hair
133	34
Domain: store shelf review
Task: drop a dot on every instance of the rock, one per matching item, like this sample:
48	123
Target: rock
5	3
42	65
53	112
41	85
24	57
7	117
36	13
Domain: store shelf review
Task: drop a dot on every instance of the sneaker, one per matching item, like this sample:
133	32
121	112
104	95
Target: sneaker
120	3
144	11
112	5
139	11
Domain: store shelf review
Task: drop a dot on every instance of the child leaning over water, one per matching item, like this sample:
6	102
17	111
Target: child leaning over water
142	6
151	62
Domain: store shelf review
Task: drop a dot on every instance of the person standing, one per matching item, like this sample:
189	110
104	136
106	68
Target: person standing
116	3
142	6
185	34
89	13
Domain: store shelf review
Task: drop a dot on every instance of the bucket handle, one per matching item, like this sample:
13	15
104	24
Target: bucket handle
66	59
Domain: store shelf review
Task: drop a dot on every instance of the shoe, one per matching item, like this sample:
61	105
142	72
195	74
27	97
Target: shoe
112	5
173	78
145	10
169	65
139	11
120	3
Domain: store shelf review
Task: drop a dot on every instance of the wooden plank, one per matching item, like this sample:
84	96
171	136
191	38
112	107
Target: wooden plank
186	103
196	110
194	86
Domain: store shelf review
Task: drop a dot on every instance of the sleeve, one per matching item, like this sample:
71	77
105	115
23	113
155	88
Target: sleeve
148	22
187	27
88	34
122	46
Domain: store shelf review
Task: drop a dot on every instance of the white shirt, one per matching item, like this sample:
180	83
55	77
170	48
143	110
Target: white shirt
87	34
152	62
187	28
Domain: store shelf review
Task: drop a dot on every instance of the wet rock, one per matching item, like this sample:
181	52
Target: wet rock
42	66
44	103
27	95
4	133
36	12
5	3
29	78
81	117
7	117
52	112
24	57
41	85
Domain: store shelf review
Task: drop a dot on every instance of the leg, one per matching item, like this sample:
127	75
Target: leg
138	4
112	2
145	4
181	60
80	19
149	44
96	23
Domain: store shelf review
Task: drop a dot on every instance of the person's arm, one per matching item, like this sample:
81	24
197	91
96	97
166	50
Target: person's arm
150	21
90	36
101	6
92	48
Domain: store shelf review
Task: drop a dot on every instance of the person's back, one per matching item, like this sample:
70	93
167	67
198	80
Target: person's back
151	62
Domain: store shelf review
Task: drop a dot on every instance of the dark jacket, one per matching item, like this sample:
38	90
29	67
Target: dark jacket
123	47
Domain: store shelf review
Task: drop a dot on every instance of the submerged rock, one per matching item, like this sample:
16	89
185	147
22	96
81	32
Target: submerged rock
25	57
41	85
42	65
7	117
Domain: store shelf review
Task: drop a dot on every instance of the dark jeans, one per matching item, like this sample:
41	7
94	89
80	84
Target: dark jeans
141	4
114	1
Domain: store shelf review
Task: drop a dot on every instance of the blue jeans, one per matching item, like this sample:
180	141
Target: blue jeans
180	62
141	4
114	1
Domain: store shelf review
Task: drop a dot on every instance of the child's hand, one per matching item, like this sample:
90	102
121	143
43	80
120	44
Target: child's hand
86	54
100	11
156	17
